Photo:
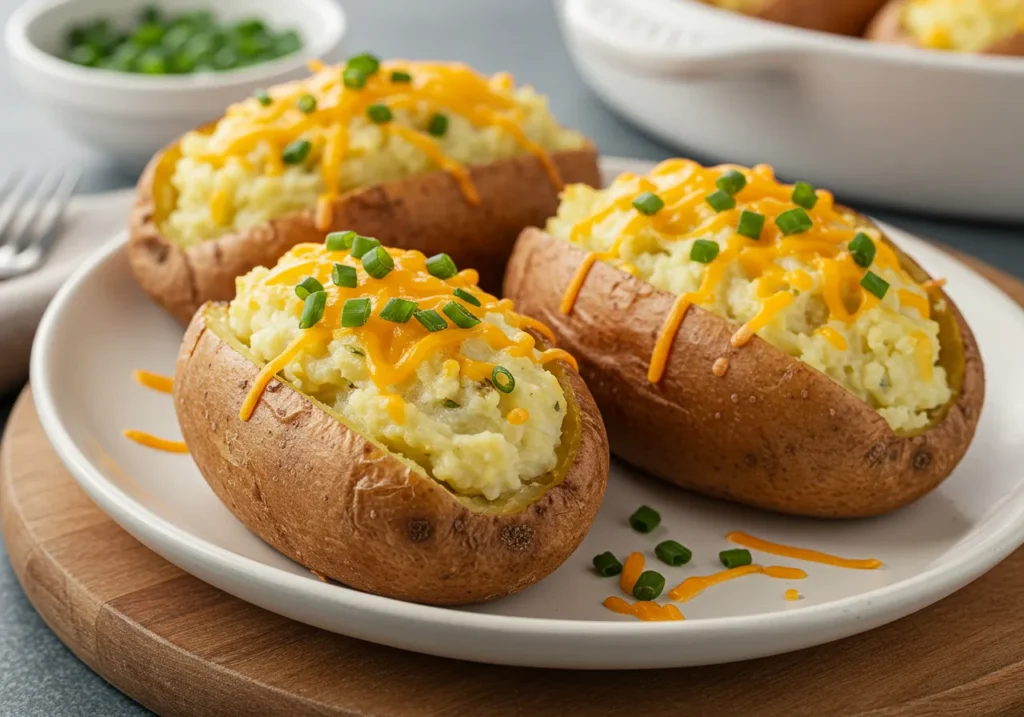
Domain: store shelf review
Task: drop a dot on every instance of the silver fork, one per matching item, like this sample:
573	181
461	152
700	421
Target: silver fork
31	207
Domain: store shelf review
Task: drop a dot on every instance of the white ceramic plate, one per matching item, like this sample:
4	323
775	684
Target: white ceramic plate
101	327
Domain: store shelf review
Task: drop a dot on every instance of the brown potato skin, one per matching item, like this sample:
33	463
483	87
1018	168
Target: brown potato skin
337	503
427	212
772	432
887	26
840	17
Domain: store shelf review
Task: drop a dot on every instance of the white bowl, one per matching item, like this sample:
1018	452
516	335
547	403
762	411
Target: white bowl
129	117
915	129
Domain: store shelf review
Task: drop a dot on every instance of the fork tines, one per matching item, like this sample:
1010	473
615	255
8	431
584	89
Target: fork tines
31	206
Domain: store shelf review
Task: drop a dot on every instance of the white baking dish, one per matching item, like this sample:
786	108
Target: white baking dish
914	129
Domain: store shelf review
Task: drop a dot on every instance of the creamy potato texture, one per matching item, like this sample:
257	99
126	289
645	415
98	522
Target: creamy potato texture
459	428
884	351
963	25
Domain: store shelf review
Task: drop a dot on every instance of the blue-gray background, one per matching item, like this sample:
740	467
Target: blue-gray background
38	676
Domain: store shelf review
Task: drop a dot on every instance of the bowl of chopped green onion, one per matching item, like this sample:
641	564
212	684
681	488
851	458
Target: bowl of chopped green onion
128	77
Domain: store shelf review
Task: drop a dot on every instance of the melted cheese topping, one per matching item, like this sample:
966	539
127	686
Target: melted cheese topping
792	594
747	7
151	441
643	609
694	586
962	25
631	571
155	381
788	551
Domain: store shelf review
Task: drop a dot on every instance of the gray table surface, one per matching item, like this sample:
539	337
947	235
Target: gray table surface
38	675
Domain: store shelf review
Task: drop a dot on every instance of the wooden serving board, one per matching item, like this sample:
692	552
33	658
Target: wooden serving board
181	647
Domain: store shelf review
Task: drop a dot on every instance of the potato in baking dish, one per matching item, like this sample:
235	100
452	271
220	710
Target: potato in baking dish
984	26
754	340
843	17
374	415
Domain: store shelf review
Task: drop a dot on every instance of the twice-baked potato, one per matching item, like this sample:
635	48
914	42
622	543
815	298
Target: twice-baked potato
397	429
841	17
994	27
754	341
430	156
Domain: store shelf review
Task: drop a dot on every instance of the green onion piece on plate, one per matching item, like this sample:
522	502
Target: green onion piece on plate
649	585
644	520
607	565
355	313
673	553
735	558
313	309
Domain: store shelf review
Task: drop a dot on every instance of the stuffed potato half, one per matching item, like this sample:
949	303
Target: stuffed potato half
397	430
753	341
994	27
843	17
431	156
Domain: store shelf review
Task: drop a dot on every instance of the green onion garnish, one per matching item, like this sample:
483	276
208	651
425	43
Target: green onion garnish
438	125
399	77
313	309
344	276
673	553
875	284
364	62
735	558
805	195
339	241
731	182
467	297
296	152
607	565
704	251
263	97
355	313
448	403
306	104
648	203
750	225
649	585
398	311
795	221
431	320
378	113
442	266
460	315
720	201
503	379
354	78
361	245
378	263
644	520
862	249
308	286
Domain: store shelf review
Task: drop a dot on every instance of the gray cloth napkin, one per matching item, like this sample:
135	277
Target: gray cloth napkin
91	220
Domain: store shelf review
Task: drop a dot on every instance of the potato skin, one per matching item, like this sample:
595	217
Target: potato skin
887	26
841	17
328	498
426	212
772	432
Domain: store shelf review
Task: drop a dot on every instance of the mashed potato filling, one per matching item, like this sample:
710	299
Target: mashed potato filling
303	143
963	25
426	395
793	280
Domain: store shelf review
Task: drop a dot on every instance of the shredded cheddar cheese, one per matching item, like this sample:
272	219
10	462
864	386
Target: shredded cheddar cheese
787	551
163	384
151	441
643	609
694	586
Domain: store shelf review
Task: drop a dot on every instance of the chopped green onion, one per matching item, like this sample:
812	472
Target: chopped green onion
263	97
795	221
399	77
354	78
306	104
448	403
503	379
308	286
648	203
313	309
397	310
361	245
355	313
431	320
704	251
357	352
649	585
467	297
644	520
378	263
364	62
339	241
731	182
296	152
673	553
805	195
720	201
442	266
438	125
875	284
607	565
735	558
460	315
344	276
751	224
862	249
378	113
